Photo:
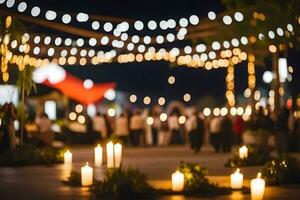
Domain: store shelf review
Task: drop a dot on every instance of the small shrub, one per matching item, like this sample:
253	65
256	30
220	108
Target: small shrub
283	170
123	184
31	155
196	183
74	179
256	156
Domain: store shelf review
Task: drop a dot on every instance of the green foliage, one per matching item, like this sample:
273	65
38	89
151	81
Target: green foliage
283	170
123	184
74	180
256	156
26	76
30	155
195	182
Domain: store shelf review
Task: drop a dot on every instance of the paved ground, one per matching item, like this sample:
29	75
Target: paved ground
35	183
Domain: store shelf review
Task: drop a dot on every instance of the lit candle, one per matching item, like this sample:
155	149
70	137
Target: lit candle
243	152
177	181
257	188
236	180
86	175
98	156
68	158
110	155
118	154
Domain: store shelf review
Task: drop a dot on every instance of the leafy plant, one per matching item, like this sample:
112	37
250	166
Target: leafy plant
196	183
123	184
30	155
256	156
74	179
283	170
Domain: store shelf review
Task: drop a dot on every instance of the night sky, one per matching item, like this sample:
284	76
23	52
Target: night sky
150	78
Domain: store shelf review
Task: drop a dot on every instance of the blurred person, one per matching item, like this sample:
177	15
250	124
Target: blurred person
122	130
155	128
136	128
292	138
8	134
195	129
173	125
226	134
99	125
238	129
45	133
164	134
215	131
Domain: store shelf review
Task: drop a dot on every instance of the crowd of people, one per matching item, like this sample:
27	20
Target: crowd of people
148	128
155	127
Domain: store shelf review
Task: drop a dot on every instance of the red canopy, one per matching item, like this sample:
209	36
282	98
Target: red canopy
73	88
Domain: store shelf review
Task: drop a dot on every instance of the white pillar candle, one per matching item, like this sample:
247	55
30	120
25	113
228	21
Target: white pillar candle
110	154
86	175
98	156
118	154
243	152
177	181
236	180
257	188
68	158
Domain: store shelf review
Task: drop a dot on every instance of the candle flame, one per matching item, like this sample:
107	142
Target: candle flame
238	170
259	175
87	163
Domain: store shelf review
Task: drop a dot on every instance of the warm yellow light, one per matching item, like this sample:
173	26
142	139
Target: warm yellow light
216	111
72	116
149	121
233	111
272	48
78	108
161	101
182	119
133	98
72	60
206	111
171	80
247	92
147	100
240	111
81	119
187	97
224	111
5	76
62	60
111	112
82	61
163	117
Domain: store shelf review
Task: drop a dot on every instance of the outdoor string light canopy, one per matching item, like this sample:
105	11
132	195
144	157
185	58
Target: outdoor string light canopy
125	48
